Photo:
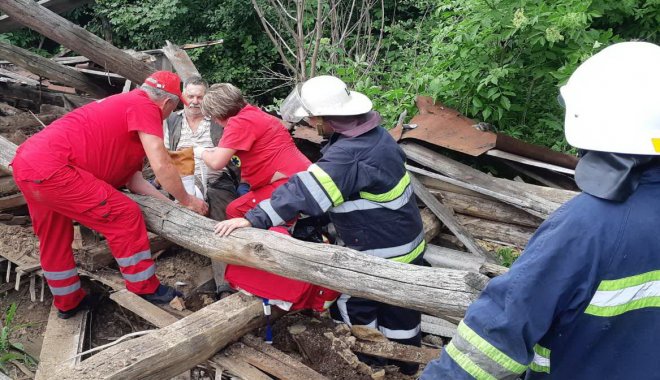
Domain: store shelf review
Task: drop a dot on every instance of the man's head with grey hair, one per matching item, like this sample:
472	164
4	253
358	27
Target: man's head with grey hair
222	101
194	89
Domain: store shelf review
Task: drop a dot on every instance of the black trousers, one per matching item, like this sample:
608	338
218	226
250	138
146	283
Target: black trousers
396	323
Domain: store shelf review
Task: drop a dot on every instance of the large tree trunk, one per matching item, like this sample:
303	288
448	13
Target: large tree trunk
440	292
59	29
44	67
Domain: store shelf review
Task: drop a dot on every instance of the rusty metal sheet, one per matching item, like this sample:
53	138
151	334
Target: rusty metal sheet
512	145
447	128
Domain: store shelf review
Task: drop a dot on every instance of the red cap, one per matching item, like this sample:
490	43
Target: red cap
166	81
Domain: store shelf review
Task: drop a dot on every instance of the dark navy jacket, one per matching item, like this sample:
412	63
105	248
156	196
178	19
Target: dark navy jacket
363	184
582	302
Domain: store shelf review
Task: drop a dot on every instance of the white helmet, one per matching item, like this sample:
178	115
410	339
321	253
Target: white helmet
613	100
324	95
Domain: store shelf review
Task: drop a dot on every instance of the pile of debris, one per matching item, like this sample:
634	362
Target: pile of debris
468	217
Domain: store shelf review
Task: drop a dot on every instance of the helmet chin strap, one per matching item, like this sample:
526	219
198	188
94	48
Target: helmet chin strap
611	176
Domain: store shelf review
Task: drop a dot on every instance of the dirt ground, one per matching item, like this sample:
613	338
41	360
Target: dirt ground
191	271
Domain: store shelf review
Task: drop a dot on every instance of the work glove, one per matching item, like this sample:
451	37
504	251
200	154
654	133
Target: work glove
197	151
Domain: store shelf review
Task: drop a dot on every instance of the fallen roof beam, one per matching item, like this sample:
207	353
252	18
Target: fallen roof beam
8	24
76	38
180	60
44	67
63	340
38	96
440	292
178	347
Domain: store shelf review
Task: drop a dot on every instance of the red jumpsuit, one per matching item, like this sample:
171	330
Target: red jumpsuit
263	147
71	171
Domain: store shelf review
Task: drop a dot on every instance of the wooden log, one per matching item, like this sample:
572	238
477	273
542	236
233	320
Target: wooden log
443	257
434	291
44	67
37	96
26	120
473	179
59	29
63	339
432	225
180	60
7	153
8	24
176	348
446	215
11	201
438	326
7	185
503	233
486	208
7	110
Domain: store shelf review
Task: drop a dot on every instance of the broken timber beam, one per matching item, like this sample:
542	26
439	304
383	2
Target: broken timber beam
178	347
439	292
37	96
44	67
180	61
61	30
462	175
8	24
446	215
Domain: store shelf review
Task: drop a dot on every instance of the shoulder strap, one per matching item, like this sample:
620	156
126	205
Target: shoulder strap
216	132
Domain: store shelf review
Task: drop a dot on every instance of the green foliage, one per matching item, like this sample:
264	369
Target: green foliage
507	256
9	350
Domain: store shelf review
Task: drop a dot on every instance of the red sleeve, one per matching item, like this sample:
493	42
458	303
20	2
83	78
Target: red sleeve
145	118
237	136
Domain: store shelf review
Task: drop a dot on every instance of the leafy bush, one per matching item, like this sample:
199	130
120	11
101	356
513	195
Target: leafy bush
9	350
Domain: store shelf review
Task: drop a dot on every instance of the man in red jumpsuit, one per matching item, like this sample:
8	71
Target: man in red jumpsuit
71	171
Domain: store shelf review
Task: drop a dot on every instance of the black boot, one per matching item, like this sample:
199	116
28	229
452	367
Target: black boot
89	302
164	294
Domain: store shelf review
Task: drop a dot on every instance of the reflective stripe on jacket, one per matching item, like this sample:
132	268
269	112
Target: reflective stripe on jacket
363	184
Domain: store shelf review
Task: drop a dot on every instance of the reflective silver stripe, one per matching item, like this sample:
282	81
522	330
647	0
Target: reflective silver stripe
272	214
63	275
64	290
141	276
136	258
396	251
316	190
540	360
365	204
400	334
341	305
480	359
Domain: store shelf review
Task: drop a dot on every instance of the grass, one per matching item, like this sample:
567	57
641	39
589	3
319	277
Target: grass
10	351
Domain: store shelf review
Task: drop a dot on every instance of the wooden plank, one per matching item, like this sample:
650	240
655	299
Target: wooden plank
396	351
61	30
63	339
180	60
7	185
143	308
171	350
45	67
285	360
432	224
267	363
529	161
465	176
238	367
39	95
11	201
448	258
438	326
446	215
503	233
435	291
19	78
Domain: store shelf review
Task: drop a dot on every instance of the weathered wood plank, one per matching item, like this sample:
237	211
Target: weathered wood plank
44	67
508	234
238	367
26	120
283	359
39	95
267	363
432	224
396	351
180	60
178	347
63	340
11	201
446	215
465	176
8	24
448	258
143	308
59	29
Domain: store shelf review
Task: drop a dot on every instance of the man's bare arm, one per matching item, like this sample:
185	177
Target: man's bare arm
138	185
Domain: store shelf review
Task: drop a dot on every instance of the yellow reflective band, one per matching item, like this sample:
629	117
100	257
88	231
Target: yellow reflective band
468	365
489	350
656	144
408	258
328	184
391	195
627	282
